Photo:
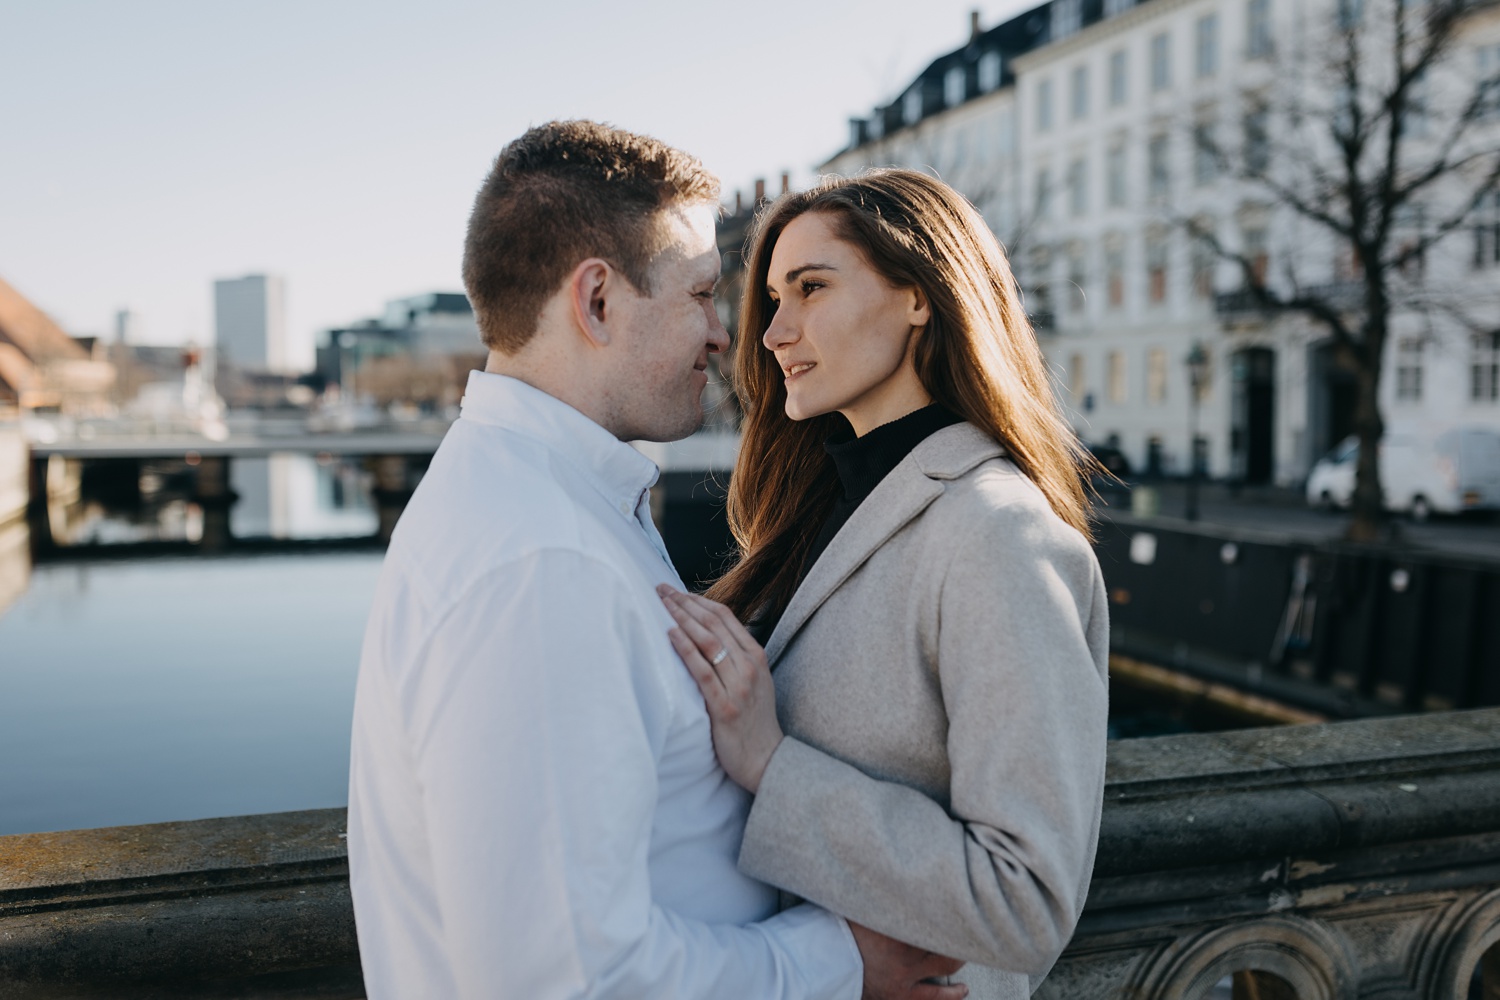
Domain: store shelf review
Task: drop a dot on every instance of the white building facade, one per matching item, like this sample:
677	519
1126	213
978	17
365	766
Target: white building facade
1123	125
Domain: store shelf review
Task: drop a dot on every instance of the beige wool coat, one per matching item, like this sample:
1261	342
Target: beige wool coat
941	677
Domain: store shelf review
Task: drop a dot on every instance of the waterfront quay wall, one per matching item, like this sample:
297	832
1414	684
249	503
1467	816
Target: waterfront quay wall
1341	860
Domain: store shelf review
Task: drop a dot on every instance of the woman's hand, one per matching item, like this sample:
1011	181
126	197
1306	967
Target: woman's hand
731	671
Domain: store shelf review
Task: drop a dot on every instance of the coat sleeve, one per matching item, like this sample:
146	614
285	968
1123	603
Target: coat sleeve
998	877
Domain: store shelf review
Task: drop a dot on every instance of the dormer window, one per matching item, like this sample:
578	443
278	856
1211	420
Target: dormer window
1067	18
911	106
989	72
953	87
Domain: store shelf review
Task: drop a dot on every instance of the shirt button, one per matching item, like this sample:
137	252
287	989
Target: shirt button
624	508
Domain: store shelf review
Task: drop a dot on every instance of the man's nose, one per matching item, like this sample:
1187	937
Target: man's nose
718	337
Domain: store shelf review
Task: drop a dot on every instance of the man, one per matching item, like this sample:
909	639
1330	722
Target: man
535	809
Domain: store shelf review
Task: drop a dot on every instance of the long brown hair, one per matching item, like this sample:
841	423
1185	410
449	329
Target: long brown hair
977	356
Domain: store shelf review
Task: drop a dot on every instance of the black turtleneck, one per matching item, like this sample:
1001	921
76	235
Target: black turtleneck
862	462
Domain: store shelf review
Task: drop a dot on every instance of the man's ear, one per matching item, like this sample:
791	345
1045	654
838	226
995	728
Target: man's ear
589	287
918	311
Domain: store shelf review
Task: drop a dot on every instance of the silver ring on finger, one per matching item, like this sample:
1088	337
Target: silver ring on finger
719	657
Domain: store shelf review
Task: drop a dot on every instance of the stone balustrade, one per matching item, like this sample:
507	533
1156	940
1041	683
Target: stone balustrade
1353	859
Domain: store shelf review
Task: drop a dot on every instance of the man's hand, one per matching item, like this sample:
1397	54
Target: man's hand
898	971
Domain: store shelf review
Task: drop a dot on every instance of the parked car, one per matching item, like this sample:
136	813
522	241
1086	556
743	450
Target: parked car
1458	471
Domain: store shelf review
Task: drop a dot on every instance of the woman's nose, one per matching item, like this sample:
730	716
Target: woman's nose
781	331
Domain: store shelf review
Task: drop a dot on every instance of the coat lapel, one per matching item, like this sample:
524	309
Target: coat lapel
907	491
901	496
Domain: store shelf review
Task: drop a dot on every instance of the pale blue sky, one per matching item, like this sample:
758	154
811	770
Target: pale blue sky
150	146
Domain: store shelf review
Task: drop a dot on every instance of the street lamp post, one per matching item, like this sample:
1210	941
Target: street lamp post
1197	366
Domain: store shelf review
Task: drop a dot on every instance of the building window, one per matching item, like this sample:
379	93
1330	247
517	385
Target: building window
1077	278
1257	140
1114	272
1156	267
1205	260
1161	61
953	86
1113	7
1080	93
1157	167
1117	385
1258	29
1205	153
1254	249
1208	46
1044	106
1039	298
1044	193
1156	376
1115	185
1351	13
1077	383
1488	59
1415	117
911	105
1117	82
1078	187
1067	18
989	72
1487	231
1409	370
1484	368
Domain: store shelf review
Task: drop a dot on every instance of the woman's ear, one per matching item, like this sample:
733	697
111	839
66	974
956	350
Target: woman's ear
918	311
589	285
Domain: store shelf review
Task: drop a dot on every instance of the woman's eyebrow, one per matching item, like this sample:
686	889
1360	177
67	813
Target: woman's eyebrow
797	272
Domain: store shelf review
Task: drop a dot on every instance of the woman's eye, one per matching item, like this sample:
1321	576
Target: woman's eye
809	286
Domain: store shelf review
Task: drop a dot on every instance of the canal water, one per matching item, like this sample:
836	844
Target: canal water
163	689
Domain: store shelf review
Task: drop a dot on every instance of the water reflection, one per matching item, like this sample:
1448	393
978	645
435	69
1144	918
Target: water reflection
299	496
281	496
15	562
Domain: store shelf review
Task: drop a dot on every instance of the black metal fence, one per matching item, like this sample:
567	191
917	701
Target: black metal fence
1338	628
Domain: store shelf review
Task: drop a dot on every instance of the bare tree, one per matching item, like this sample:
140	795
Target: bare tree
1375	146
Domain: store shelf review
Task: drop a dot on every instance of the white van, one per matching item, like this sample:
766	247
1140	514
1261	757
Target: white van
1458	471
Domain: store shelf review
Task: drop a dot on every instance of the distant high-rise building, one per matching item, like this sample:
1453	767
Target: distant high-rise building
125	326
250	322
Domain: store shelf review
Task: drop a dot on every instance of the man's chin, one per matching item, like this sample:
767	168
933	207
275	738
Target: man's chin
663	433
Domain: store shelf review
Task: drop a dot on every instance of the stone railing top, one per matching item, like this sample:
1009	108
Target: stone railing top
1171	802
238	848
1179	802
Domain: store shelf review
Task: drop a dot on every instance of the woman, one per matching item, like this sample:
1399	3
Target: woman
929	757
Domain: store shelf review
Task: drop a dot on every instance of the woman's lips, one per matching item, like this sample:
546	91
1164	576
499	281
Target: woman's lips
792	371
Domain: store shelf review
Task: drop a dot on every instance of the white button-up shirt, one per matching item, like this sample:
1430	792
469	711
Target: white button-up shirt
535	809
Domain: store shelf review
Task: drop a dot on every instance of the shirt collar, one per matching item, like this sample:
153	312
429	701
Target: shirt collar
614	468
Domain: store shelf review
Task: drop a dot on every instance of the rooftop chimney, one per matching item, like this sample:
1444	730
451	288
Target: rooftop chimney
760	190
739	203
786	182
973	25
